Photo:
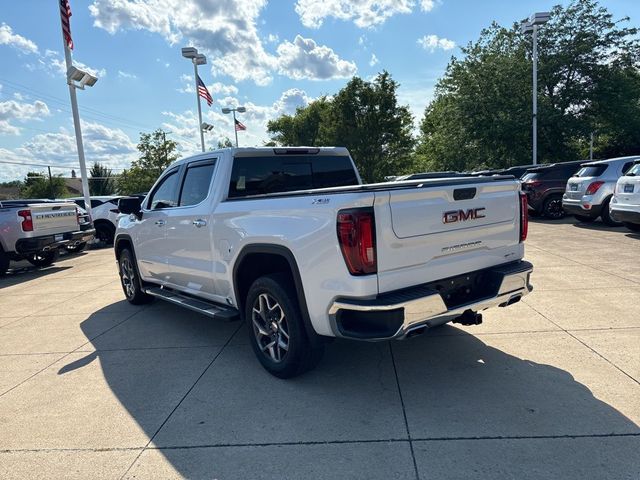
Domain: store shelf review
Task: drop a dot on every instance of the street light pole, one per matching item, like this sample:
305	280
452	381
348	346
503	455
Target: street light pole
78	130
235	130
234	110
535	94
195	77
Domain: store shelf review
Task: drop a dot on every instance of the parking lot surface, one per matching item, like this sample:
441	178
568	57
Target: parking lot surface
92	387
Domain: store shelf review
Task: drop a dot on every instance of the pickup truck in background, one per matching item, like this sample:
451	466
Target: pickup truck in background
290	241
34	231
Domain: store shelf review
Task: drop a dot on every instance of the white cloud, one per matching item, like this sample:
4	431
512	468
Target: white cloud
431	43
427	5
126	75
14	110
53	62
304	58
225	30
20	43
374	60
273	38
364	13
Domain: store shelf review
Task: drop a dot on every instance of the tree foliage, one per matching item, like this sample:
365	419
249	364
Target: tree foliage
39	185
364	117
101	181
225	143
587	82
156	154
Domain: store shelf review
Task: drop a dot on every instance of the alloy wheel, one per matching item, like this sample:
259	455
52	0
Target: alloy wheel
128	277
270	327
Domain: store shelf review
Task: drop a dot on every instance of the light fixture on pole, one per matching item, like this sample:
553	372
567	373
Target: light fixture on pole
207	127
197	59
77	78
531	26
234	110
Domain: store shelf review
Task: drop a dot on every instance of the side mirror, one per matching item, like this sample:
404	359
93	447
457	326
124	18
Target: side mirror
130	206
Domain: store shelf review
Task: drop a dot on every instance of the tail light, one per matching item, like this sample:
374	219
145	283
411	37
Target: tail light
356	236
524	217
594	187
78	215
27	220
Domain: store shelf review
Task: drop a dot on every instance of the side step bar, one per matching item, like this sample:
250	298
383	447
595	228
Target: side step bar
211	309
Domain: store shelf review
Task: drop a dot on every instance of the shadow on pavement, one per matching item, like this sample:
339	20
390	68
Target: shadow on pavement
453	386
20	274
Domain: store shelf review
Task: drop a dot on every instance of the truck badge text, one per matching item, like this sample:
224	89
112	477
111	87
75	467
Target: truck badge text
454	216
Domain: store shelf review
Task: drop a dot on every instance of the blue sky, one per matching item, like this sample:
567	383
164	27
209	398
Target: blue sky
270	56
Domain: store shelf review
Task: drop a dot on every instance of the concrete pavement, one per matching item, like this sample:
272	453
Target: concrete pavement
92	387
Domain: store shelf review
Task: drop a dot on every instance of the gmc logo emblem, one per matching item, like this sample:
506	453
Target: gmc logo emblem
454	216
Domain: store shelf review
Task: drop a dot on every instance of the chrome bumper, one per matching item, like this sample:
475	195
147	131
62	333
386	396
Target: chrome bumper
423	306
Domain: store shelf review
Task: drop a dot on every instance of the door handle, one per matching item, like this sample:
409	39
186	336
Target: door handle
160	222
199	223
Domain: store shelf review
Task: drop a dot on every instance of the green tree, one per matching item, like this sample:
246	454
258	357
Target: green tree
38	185
101	181
156	154
364	117
587	81
225	143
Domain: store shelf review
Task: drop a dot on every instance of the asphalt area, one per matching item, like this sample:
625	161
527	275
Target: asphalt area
92	387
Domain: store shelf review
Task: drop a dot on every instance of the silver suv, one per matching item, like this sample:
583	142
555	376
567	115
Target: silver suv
589	191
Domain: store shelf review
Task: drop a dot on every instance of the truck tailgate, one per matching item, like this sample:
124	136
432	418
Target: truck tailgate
437	230
52	218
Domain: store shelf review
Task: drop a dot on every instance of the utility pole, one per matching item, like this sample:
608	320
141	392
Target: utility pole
591	147
51	192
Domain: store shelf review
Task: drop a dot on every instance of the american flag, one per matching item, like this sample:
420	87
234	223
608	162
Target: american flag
203	92
240	126
65	14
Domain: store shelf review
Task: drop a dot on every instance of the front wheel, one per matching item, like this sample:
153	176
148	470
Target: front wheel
43	259
276	329
130	279
634	227
553	208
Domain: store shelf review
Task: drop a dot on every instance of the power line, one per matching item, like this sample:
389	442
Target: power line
63	167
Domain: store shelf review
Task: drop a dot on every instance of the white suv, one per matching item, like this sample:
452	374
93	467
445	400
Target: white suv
589	191
625	205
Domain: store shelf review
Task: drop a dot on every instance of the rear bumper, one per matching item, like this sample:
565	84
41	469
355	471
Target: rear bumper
576	207
625	215
25	246
398	314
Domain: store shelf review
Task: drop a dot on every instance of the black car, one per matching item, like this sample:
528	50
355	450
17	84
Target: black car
545	186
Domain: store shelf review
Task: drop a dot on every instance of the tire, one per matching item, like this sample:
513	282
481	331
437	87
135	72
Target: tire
606	215
130	279
43	259
273	317
77	248
634	227
552	208
584	218
105	233
4	262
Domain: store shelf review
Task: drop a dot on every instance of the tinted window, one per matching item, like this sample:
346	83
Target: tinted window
634	171
165	194
262	175
195	187
591	171
626	167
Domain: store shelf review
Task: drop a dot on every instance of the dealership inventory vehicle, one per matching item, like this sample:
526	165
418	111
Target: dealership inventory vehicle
544	186
104	216
625	204
35	230
291	241
589	192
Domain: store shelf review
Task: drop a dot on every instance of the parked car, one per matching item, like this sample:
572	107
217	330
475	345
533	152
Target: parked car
426	175
517	171
625	204
545	185
84	223
35	231
104	216
290	240
589	192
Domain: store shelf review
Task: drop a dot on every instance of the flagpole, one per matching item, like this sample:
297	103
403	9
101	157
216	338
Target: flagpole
76	126
195	70
235	126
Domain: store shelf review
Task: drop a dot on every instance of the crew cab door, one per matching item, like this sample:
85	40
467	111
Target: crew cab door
188	241
151	251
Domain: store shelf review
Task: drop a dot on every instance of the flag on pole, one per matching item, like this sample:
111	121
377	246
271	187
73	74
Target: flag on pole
203	92
240	126
65	15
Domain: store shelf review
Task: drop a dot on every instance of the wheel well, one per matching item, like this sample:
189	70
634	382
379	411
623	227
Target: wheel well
255	265
107	223
121	244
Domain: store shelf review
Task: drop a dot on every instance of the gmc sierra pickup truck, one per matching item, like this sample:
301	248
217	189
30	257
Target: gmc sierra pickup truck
35	230
290	241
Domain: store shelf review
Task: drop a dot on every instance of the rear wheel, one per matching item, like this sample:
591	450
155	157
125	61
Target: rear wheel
634	227
276	330
552	208
4	262
105	232
606	215
130	279
584	218
43	259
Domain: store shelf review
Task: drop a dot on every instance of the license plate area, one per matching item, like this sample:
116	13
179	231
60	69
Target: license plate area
58	238
628	188
573	187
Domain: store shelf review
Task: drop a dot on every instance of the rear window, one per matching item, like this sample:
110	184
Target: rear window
263	175
634	171
591	171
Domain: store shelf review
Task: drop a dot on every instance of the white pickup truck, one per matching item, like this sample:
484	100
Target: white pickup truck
290	241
